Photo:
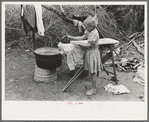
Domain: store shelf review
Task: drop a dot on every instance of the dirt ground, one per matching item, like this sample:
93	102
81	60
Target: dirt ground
21	86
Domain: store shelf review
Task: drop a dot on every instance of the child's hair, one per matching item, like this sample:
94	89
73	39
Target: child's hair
90	21
80	18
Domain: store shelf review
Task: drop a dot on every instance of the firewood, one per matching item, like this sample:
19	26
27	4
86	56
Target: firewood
110	63
137	65
138	48
132	41
128	47
122	68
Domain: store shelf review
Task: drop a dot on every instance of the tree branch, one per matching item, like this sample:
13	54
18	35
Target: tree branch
60	14
138	48
13	28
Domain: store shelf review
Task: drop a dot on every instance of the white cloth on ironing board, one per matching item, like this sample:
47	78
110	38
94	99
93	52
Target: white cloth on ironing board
75	54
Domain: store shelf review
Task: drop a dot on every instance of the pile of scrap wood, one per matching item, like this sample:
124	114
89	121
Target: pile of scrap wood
133	40
126	65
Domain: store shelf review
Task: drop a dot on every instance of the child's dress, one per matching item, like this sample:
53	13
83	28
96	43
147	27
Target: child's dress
92	61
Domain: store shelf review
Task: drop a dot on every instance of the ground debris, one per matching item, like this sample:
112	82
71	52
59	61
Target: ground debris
139	76
126	65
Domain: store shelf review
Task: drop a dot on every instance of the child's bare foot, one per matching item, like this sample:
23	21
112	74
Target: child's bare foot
91	92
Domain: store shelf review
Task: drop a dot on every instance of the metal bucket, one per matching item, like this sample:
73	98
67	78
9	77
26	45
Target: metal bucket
48	58
44	75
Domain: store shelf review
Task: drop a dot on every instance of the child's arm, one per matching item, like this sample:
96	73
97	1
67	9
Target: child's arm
92	40
83	43
76	38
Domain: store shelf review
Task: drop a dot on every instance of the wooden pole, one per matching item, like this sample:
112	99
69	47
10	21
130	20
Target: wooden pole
115	78
34	43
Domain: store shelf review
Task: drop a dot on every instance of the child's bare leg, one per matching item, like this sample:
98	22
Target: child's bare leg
94	80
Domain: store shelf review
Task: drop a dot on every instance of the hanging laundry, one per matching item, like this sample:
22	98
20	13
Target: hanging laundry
31	16
79	24
75	22
28	17
39	21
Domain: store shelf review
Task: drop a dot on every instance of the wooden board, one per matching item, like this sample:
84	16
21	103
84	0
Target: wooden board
103	41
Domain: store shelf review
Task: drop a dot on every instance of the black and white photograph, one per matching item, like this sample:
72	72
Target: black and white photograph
85	58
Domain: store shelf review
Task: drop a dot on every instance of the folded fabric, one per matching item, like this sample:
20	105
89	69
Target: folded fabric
118	89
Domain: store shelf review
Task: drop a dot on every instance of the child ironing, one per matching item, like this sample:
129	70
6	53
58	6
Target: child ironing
92	61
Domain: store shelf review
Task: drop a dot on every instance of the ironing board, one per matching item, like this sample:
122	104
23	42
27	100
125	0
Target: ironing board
105	41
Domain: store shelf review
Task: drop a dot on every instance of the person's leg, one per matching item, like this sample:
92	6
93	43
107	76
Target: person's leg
93	89
94	80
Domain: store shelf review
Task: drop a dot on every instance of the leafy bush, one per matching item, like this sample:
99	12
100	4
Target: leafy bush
129	18
55	27
12	20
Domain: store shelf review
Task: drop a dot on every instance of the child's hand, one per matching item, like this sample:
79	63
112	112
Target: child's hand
66	39
91	42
